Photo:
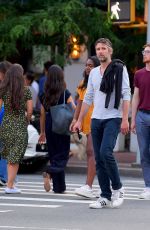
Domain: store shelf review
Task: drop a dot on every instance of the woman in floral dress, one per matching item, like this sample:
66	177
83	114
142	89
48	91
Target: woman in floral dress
17	99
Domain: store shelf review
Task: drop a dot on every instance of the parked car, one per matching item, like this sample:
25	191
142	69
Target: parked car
34	152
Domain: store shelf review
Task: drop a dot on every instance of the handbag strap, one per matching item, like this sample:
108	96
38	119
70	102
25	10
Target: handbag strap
63	99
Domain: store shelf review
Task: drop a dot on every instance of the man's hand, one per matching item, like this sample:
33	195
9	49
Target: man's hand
132	128
124	127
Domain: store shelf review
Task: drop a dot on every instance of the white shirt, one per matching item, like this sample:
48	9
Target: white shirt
35	85
34	96
97	97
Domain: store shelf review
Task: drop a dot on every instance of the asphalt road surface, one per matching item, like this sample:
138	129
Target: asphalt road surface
34	209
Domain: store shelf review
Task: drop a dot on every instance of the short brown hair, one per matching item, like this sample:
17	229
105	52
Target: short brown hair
105	41
146	45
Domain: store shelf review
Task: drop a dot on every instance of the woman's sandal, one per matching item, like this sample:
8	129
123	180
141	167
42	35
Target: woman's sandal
46	178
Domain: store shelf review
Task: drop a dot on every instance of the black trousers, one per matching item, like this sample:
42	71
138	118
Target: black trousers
58	150
59	184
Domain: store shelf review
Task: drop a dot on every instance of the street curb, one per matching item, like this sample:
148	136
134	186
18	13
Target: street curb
126	163
131	172
126	170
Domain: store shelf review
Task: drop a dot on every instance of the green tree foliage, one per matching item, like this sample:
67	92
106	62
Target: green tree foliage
24	23
139	7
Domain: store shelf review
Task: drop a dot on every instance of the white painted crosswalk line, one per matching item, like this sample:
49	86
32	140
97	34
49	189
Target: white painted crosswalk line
3	211
30	205
68	194
33	228
78	201
30	188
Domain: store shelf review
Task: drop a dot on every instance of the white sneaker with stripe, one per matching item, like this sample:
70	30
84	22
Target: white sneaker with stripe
85	191
117	197
100	203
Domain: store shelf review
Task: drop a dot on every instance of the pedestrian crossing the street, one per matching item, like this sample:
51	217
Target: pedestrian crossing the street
33	194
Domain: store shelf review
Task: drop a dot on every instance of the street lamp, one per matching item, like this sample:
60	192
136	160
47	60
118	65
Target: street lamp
75	48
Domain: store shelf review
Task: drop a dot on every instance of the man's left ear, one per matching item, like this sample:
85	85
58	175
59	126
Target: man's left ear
110	50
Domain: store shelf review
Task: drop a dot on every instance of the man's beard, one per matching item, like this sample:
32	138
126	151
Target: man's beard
103	59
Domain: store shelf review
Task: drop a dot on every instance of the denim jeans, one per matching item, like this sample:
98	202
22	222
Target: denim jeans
143	136
3	170
104	136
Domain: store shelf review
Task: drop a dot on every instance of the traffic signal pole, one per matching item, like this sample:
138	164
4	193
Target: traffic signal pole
148	23
148	41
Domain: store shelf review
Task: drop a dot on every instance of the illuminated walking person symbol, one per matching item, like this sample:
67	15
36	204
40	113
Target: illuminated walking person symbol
114	11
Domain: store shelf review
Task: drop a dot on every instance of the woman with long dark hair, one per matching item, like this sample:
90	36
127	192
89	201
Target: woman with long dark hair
58	145
86	190
17	99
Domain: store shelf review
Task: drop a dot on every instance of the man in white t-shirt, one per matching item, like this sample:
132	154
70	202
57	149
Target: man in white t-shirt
108	89
33	86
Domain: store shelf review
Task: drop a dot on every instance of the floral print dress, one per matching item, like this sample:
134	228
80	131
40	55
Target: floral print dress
14	129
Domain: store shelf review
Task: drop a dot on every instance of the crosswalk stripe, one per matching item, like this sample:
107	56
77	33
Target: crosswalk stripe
33	228
47	194
6	211
31	188
39	188
134	181
78	201
129	188
70	187
41	183
46	200
67	193
30	205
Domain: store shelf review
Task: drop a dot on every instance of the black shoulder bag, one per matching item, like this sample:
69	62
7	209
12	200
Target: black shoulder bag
62	116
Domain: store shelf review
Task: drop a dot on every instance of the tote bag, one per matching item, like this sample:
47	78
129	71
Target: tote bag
62	116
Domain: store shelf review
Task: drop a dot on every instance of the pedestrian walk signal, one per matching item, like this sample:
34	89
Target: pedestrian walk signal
122	11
